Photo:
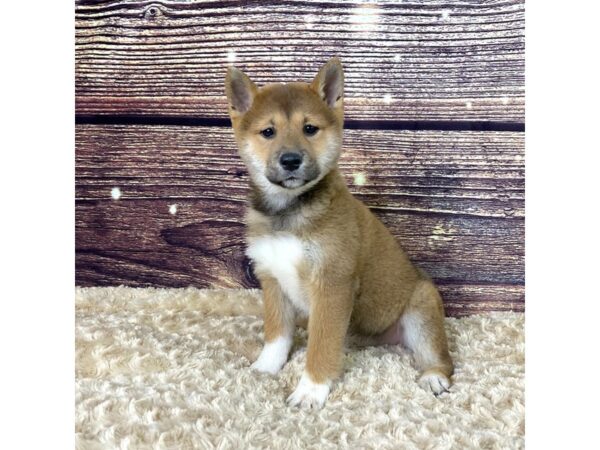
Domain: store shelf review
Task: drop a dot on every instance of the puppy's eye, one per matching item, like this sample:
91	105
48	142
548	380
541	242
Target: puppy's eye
310	130
268	133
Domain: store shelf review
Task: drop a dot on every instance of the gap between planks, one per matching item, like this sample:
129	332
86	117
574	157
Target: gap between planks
401	125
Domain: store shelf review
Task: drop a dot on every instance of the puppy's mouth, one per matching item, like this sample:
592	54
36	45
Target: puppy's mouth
292	182
292	179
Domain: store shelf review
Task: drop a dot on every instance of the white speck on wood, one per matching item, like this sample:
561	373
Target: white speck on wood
365	18
360	179
115	193
173	209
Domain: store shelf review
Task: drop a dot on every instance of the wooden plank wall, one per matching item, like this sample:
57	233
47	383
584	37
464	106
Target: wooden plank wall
434	141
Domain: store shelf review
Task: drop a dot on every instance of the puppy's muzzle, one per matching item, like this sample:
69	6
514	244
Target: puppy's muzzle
291	168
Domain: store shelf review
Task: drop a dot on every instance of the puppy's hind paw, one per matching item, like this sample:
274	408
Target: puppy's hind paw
435	382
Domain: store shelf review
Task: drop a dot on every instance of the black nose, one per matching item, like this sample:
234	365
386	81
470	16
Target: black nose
290	161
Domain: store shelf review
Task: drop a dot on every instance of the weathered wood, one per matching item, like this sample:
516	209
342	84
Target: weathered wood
457	249
454	199
460	173
437	60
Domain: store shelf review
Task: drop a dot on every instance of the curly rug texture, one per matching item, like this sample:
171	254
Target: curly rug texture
169	368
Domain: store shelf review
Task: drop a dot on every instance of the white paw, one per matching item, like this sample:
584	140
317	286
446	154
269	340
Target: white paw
266	366
435	382
273	356
309	394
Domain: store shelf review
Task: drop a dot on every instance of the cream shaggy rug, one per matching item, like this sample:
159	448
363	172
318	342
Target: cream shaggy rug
169	368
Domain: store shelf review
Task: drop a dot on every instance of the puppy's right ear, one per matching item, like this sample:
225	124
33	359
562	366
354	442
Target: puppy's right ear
240	91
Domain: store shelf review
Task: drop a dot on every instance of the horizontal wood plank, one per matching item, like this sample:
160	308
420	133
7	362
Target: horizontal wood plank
454	250
453	199
419	60
447	173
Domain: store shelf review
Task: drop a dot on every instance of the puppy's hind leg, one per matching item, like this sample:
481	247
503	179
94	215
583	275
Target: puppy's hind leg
423	333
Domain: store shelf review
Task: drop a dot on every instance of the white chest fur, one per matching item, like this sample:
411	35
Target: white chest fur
280	255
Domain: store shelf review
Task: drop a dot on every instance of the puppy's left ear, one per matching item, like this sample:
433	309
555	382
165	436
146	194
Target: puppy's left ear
329	83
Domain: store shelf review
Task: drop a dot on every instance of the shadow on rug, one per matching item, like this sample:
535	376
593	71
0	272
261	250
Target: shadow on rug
169	368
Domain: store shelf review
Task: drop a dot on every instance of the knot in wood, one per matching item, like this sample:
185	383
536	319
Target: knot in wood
152	12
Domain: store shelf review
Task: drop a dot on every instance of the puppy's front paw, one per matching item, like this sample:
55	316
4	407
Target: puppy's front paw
435	382
309	394
269	361
273	356
266	366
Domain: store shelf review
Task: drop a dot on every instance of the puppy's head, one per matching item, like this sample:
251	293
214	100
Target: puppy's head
289	135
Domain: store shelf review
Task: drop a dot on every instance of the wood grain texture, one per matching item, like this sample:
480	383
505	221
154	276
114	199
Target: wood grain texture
437	60
453	199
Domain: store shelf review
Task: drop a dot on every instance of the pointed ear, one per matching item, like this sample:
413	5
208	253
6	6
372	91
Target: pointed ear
329	83
240	91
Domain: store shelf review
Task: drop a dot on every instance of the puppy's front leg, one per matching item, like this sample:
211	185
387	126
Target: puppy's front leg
279	328
330	310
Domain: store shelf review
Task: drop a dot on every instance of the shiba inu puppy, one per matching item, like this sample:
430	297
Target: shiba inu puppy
318	252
